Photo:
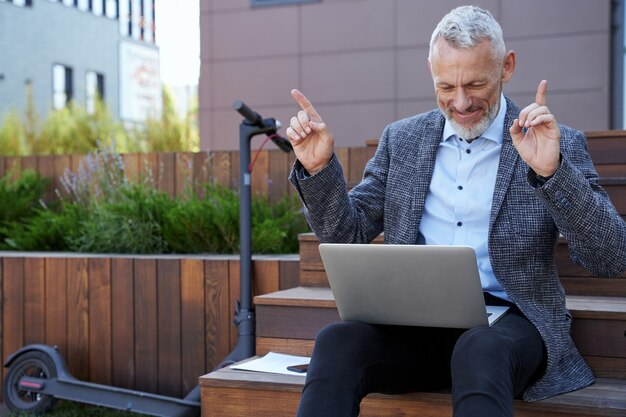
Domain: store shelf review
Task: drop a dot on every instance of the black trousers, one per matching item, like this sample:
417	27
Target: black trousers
485	367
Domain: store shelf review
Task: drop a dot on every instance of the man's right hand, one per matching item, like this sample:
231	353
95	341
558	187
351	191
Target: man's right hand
312	142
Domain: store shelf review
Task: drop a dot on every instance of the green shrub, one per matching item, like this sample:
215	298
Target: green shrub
133	224
47	230
104	212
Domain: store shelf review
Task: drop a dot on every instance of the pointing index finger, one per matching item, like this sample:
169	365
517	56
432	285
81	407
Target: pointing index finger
540	98
305	104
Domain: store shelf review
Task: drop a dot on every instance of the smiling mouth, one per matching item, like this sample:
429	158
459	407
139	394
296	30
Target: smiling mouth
468	117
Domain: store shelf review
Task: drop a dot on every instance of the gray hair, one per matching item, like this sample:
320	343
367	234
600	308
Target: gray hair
466	27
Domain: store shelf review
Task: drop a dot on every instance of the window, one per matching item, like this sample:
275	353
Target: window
22	3
97	7
83	5
271	2
124	15
62	90
111	8
94	90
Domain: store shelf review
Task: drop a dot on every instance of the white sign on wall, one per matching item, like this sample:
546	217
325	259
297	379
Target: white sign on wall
140	82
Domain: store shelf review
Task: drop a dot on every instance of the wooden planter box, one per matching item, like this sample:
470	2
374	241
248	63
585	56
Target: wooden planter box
153	323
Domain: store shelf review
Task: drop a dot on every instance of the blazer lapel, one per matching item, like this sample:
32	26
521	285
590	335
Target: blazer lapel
509	158
425	163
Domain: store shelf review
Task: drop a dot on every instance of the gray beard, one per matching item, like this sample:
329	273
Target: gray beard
479	128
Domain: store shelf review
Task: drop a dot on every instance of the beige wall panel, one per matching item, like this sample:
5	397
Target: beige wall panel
549	17
568	63
414	80
348	76
347	26
257	82
219	5
584	111
416	20
412	107
254	33
353	124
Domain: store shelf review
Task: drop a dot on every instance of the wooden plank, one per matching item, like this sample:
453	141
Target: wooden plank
298	297
169	331
56	303
167	170
343	155
150	169
293	322
298	347
611	170
259	184
29	163
78	303
100	359
234	170
234	286
358	159
123	323
201	167
12	166
313	279
618	197
266	277
12	305
193	347
607	150
60	164
221	168
46	169
146	359
131	166
34	300
217	312
183	173
278	182
607	367
289	274
600	337
594	286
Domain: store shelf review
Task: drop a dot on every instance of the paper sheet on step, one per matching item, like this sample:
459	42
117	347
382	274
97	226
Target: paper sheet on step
273	362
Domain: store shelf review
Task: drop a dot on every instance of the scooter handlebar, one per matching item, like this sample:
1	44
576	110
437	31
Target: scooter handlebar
250	115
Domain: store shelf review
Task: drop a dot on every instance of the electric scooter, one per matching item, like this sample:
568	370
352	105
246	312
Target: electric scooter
38	375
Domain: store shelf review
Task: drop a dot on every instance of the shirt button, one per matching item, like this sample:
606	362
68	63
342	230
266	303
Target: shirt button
468	151
459	224
460	187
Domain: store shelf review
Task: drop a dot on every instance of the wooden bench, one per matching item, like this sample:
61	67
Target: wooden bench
235	393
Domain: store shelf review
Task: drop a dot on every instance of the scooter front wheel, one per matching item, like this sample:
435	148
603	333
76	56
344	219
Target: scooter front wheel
32	364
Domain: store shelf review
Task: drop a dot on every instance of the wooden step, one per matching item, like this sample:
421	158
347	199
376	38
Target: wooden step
288	321
575	279
234	393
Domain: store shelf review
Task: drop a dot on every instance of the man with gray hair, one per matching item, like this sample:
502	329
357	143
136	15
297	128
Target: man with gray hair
477	172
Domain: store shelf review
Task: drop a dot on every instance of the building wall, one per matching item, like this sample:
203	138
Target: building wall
363	62
32	39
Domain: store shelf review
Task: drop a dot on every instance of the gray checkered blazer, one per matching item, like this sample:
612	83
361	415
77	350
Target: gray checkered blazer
524	225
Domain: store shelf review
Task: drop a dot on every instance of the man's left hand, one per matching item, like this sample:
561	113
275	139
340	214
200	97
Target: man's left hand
539	144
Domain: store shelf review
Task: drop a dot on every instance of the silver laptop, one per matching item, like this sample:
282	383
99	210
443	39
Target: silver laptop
409	285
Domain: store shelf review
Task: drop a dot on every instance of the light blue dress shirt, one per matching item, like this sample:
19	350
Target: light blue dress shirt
458	204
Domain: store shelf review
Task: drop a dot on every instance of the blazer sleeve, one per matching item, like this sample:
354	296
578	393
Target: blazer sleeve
336	215
582	210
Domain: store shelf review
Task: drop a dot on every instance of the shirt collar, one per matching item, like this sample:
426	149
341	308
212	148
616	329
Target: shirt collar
493	132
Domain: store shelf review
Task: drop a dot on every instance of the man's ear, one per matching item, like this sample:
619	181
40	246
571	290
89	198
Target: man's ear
508	66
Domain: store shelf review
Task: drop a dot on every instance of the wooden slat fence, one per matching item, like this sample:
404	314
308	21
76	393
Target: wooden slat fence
153	323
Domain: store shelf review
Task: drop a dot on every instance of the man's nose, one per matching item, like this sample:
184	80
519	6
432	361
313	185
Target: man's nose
462	102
